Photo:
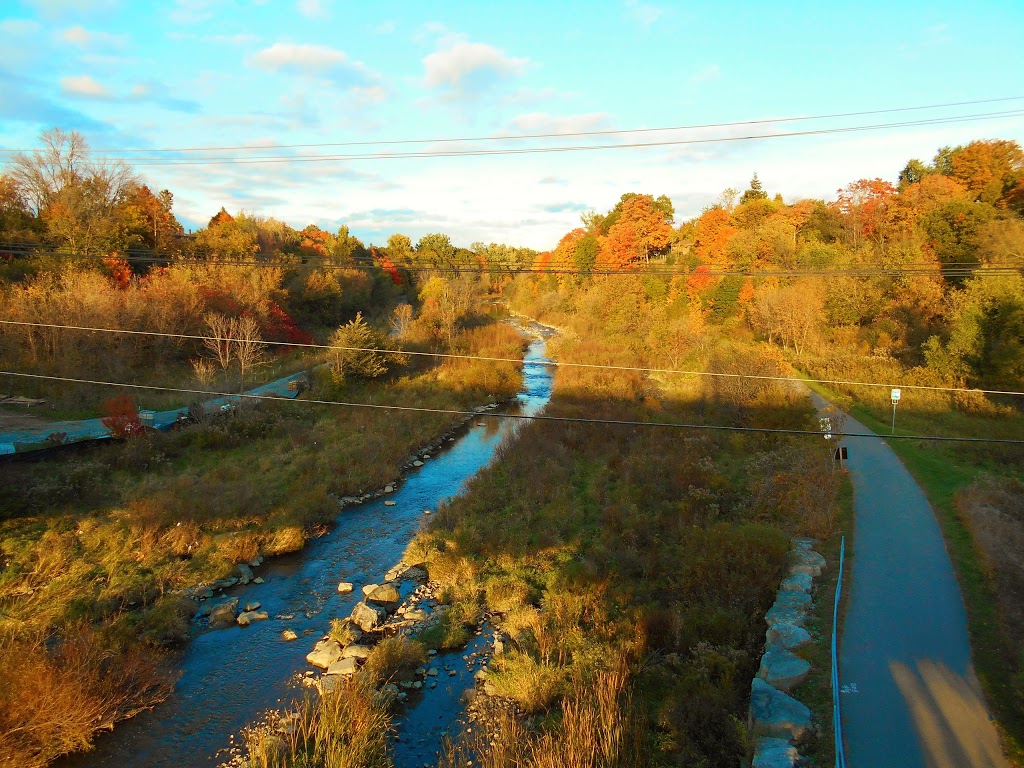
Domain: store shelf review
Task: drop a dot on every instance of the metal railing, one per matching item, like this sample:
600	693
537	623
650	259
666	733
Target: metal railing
837	719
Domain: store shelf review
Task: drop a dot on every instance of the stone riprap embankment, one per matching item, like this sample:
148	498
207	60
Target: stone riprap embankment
777	719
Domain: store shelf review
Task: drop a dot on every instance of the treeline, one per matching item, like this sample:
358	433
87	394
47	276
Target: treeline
84	242
911	279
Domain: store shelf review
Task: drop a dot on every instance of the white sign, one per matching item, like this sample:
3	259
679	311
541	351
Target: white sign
895	396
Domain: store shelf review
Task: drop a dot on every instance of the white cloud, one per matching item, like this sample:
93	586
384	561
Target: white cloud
18	27
242	38
314	9
643	13
542	122
384	28
51	8
706	75
310	60
84	87
84	38
371	94
464	68
192	11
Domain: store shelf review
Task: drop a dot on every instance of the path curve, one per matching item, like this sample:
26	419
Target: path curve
910	696
93	429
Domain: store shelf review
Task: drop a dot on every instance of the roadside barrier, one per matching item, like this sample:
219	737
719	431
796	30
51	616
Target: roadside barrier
837	718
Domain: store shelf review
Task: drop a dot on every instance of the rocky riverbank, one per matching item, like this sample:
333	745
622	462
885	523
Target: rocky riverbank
778	720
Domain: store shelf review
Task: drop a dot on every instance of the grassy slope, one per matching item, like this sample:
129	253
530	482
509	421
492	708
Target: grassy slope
942	472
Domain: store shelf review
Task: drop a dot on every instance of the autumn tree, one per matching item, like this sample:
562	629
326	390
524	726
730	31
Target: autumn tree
248	347
151	221
714	229
121	417
790	315
989	170
865	205
80	198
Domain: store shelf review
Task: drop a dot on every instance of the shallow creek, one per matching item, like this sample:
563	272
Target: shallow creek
230	677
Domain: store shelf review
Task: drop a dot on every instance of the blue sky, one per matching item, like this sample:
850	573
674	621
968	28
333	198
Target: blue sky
195	73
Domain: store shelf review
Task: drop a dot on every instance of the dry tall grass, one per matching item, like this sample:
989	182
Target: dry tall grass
994	511
597	726
348	727
57	698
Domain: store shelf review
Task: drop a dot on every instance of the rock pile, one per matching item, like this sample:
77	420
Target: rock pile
778	719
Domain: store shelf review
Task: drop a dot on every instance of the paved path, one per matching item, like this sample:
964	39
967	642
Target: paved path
93	429
913	699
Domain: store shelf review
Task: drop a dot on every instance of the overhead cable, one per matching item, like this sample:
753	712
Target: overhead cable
556	134
516	360
523	417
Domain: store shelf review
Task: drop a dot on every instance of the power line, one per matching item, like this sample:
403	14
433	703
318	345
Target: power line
562	134
951	269
516	360
272	159
524	417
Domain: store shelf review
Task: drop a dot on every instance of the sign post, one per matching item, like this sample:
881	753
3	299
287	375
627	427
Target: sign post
895	399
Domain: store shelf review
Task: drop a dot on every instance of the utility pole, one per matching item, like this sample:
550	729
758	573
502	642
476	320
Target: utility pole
895	399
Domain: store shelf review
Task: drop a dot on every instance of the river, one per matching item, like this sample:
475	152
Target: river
230	677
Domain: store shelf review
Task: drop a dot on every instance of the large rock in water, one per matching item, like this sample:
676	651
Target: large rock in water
773	713
385	594
789	608
346	666
367	617
774	753
783	669
244	573
788	636
324	653
223	615
356	651
248	617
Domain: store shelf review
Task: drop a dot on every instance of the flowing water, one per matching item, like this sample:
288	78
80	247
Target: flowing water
229	677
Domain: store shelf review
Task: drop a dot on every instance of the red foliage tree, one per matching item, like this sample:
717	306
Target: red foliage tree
121	417
119	271
714	229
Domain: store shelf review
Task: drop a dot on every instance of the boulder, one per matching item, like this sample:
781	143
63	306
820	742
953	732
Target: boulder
417	463
417	614
787	636
327	684
367	617
345	587
389	503
800	542
808	561
346	666
783	669
223	615
389	489
774	753
789	608
288	635
797	582
253	606
774	713
244	573
248	617
368	588
256	561
356	651
324	653
385	594
414	573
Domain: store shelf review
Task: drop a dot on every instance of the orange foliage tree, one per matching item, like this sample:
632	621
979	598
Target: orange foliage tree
714	229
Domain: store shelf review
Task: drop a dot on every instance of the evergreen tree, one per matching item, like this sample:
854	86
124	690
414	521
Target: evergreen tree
756	191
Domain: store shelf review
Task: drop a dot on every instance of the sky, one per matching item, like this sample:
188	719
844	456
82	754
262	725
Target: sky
185	74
